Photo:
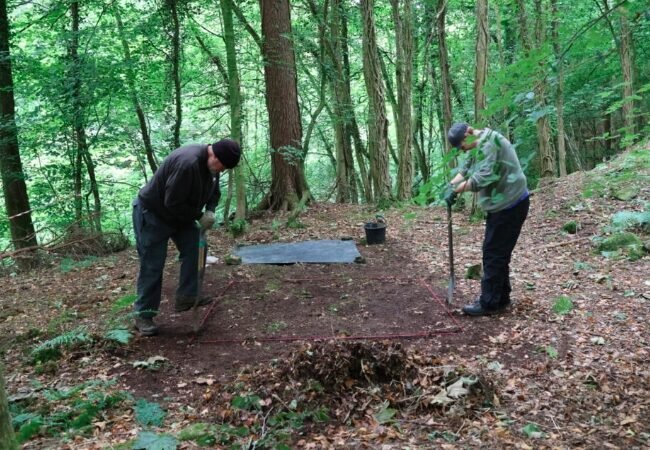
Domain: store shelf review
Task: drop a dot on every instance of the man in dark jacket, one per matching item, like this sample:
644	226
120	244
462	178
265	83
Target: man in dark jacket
169	206
495	173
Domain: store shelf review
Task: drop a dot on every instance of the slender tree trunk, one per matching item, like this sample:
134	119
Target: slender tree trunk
547	163
481	69
133	92
523	27
390	94
76	162
435	107
377	121
421	94
11	168
172	8
288	184
321	84
625	53
78	119
344	181
345	173
235	101
543	123
445	76
362	158
7	438
504	50
403	19
352	127
335	70
559	100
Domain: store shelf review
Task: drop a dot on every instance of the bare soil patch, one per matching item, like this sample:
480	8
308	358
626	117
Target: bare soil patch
264	312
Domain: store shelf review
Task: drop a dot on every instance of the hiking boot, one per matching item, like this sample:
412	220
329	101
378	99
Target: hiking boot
145	326
187	303
477	309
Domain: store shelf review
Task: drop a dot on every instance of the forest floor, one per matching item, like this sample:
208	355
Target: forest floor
361	355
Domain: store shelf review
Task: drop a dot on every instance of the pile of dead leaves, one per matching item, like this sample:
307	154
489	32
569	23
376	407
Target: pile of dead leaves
377	380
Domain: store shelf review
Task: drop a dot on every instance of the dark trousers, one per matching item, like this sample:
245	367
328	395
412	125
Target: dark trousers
501	233
152	236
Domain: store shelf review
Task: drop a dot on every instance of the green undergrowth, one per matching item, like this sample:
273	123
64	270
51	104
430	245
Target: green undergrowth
622	244
632	220
64	412
271	429
273	432
622	178
59	338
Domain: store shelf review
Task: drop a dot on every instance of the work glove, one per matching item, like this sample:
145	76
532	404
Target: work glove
450	195
207	220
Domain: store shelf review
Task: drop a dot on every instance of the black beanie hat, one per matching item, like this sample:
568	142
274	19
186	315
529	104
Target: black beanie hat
227	151
456	134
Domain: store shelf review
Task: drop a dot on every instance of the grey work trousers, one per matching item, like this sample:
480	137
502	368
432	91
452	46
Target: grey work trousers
152	236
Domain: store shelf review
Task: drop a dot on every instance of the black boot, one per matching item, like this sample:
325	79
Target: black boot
187	303
478	309
145	326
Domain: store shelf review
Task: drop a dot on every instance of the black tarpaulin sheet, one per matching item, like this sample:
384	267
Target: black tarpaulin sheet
321	251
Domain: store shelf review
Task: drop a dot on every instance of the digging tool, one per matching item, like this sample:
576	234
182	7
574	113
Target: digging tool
203	254
452	278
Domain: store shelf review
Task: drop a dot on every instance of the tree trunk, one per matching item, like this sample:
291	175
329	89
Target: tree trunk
235	101
172	8
133	92
7	438
523	27
377	121
422	94
393	103
319	85
625	53
403	20
76	162
11	168
481	69
78	119
344	161
352	127
435	108
547	163
559	100
288	184
445	76
543	123
503	33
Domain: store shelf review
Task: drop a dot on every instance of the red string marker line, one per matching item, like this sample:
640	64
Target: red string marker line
211	308
314	338
310	338
442	304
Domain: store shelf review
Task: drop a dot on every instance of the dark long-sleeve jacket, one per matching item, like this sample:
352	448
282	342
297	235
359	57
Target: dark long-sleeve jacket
182	186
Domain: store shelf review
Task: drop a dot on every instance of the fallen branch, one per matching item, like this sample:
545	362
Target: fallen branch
559	244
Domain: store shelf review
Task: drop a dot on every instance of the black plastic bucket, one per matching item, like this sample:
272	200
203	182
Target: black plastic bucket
375	232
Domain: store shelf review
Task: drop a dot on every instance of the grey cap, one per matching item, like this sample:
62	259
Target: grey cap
456	134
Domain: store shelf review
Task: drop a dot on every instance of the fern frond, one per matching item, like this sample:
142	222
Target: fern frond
65	340
627	219
119	335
